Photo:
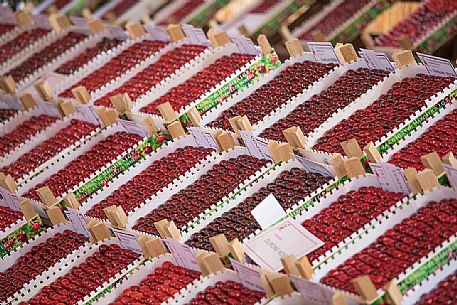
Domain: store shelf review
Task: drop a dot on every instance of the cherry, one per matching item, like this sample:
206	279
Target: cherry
443	294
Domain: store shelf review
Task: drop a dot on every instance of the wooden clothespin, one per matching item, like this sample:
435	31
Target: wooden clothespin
366	288
117	216
98	230
295	137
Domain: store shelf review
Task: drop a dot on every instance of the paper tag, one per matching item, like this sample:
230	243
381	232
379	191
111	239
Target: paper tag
245	45
182	253
323	52
132	127
249	276
89	114
49	108
195	35
451	175
10	200
77	221
285	238
314	167
10	101
7	15
257	147
437	66
390	177
42	21
377	60
116	32
203	138
156	32
127	240
313	292
268	211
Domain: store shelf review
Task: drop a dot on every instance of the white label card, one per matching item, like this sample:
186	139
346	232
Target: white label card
451	175
315	167
268	211
257	147
286	238
377	60
77	221
41	21
49	108
10	102
250	277
390	177
313	292
132	127
203	138
245	45
116	32
89	114
7	14
182	253
127	240
156	32
323	52
195	35
10	200
437	66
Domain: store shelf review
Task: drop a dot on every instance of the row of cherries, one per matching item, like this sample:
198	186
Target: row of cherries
443	294
21	41
6	114
46	150
120	8
277	92
158	175
289	188
209	189
229	293
312	113
8	217
400	247
187	7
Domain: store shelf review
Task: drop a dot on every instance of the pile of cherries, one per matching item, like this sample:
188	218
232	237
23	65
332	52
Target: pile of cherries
229	292
20	42
49	148
38	260
166	65
6	114
8	217
117	66
443	294
289	188
24	132
272	95
87	55
311	114
120	8
335	18
180	13
347	215
187	204
158	287
87	164
5	28
202	82
400	247
441	137
151	180
419	23
86	277
386	113
48	54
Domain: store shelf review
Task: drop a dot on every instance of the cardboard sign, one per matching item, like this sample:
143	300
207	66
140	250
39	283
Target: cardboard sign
127	240
451	175
390	177
257	147
314	167
313	292
132	127
203	138
78	221
156	32
323	52
286	238
245	45
10	200
268	211
250	277
10	102
377	60
437	66
89	114
195	35
182	253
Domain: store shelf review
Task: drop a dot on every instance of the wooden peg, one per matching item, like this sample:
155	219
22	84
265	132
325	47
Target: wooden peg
27	101
372	153
8	183
236	250
175	32
406	43
151	126
200	262
23	18
8	84
305	268
244	124
393	293
264	44
338	164
289	264
71	201
95	26
46	196
142	243
212	263
220	244
122	103
194	116
135	29
427	180
86	13
433	162
352	149
98	230
365	287
339	299
280	283
27	209
234	124
450	160
52	9
295	137
225	140
145	19
222	39
44	90
155	247
210	34
107	116
167	229
317	35
55	215
294	47
347	53
354	167
404	58
116	216
167	112
176	130
81	94
59	22
284	32
66	108
411	177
